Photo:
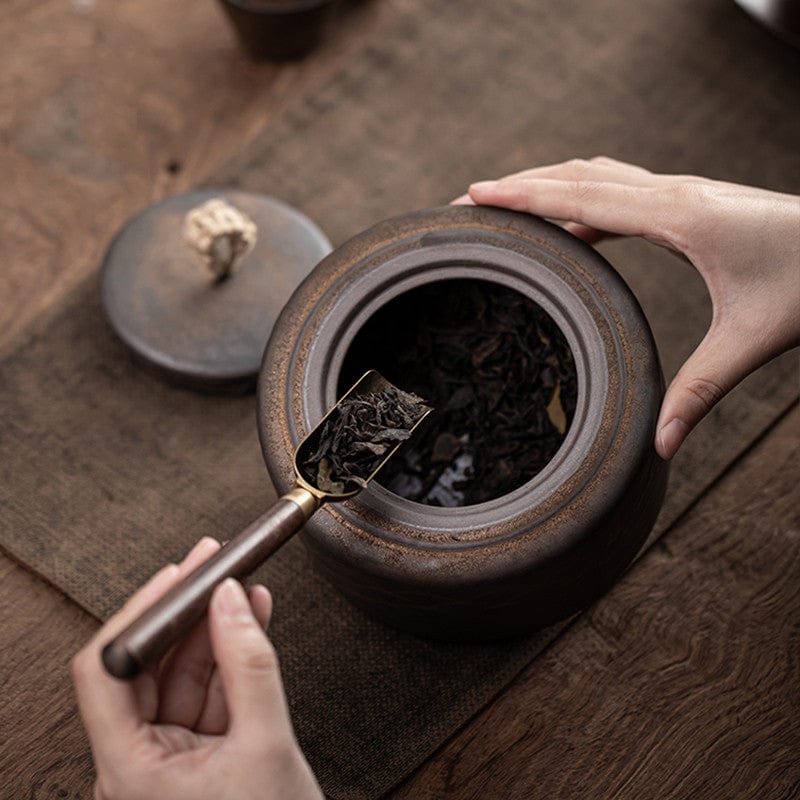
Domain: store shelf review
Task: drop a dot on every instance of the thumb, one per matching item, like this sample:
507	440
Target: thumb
249	669
720	361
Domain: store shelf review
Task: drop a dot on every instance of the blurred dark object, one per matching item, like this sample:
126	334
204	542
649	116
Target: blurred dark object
278	30
782	17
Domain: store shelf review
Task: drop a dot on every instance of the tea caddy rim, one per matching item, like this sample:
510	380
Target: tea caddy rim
396	536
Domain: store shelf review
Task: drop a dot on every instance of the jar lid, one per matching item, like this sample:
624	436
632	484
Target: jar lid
193	284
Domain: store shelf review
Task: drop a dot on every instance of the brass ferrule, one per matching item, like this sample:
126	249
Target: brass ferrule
307	501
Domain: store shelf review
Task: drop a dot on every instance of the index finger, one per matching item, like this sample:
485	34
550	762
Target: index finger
599	168
613	207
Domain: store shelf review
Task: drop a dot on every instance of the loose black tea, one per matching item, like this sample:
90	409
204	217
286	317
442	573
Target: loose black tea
499	373
357	436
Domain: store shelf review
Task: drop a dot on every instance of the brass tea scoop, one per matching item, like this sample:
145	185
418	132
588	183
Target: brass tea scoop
148	637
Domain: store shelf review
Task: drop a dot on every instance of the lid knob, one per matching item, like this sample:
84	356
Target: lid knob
220	234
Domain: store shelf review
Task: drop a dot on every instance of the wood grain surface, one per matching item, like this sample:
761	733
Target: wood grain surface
682	682
43	749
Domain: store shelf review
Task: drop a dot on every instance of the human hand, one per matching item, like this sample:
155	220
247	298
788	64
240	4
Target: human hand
210	721
744	242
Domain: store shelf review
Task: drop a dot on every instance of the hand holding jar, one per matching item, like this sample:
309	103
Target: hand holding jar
744	242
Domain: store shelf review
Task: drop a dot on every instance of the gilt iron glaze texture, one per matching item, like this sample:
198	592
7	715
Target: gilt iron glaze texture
526	559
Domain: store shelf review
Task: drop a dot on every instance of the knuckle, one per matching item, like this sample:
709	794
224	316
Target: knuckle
606	160
260	658
578	167
689	196
707	392
682	209
583	192
678	194
585	189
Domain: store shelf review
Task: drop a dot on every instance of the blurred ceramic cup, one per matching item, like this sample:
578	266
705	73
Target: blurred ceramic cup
782	17
277	30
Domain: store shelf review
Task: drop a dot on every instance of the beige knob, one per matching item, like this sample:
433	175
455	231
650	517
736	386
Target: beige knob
220	234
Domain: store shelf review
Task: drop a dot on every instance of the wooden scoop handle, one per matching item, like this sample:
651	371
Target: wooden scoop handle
147	638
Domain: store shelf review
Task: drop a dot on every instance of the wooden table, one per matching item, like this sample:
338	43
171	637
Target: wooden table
682	682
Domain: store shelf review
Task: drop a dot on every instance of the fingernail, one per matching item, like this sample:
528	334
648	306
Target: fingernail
671	435
231	599
204	544
262	590
482	186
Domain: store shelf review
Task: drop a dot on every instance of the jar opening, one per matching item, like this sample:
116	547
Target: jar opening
499	373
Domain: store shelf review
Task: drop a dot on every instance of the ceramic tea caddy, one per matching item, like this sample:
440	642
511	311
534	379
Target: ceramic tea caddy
545	549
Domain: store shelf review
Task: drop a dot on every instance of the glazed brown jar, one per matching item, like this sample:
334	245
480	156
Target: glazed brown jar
544	549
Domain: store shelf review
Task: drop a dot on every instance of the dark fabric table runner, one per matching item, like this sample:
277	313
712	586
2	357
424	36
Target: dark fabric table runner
105	473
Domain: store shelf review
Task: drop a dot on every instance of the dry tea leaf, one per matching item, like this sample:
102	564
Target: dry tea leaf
324	481
543	338
446	448
357	437
555	410
488	358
